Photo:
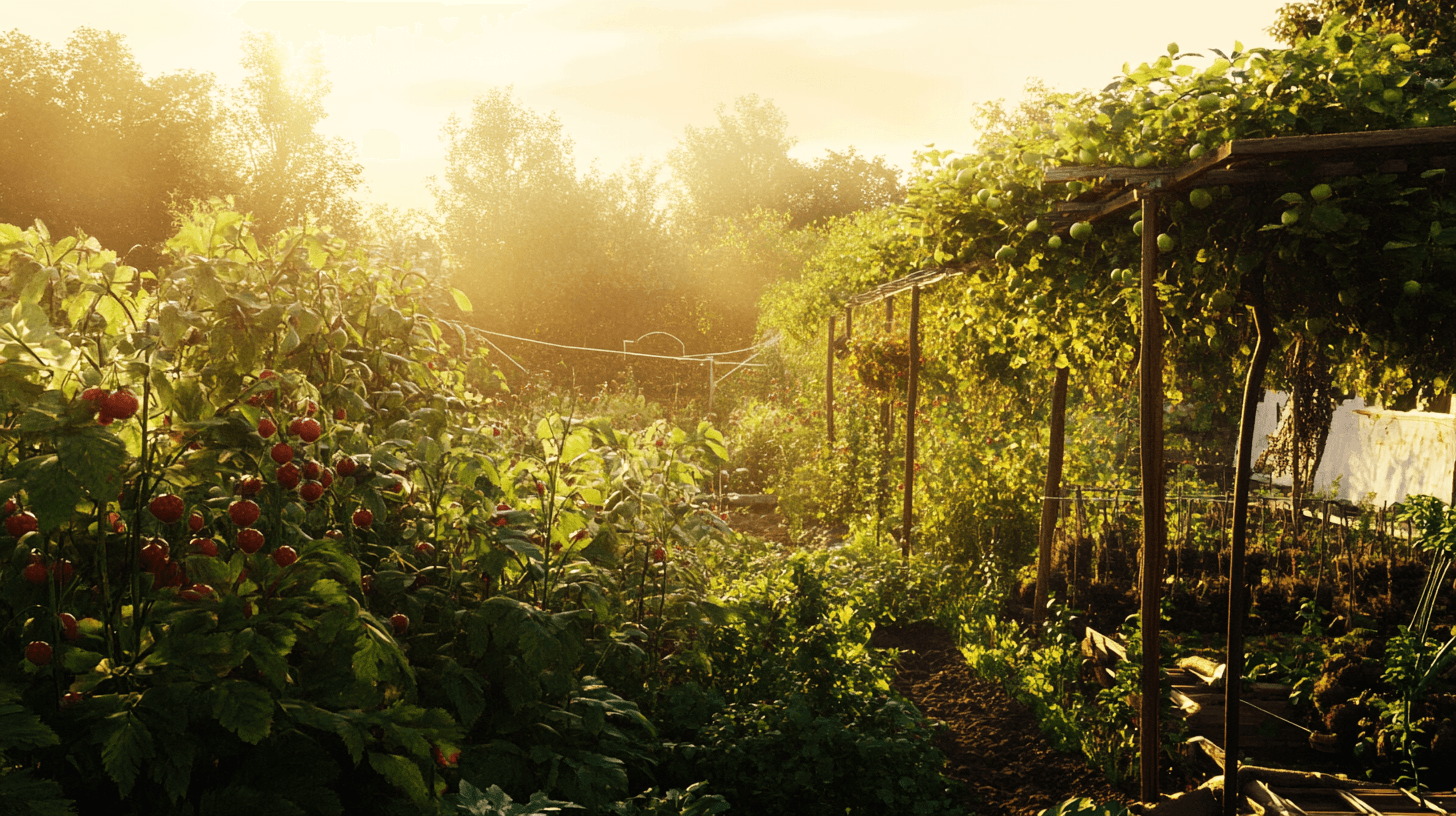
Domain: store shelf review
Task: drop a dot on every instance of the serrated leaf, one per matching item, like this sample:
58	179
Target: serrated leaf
94	457
402	773
128	745
53	492
465	690
21	728
23	794
244	708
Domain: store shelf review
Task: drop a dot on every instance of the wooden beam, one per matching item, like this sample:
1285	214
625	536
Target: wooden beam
1150	401
1363	142
1050	498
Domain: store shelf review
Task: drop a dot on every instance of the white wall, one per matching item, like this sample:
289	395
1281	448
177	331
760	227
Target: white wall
1392	454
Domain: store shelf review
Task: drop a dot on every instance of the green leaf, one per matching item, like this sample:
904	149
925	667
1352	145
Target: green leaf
10	235
95	458
1328	217
53	492
427	450
1390	245
22	794
244	708
461	301
466	690
20	728
128	745
402	773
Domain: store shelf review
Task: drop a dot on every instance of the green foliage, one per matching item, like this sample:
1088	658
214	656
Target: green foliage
1078	717
791	715
1084	807
461	635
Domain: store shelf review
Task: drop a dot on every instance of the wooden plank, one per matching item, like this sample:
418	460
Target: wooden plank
1425	804
1362	141
1077	172
1357	803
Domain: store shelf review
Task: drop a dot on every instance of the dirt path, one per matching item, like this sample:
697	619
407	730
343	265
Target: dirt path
993	745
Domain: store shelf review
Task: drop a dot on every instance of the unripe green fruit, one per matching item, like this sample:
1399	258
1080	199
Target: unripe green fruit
1200	198
1320	192
1411	288
1005	253
1081	231
1289	217
1137	228
1054	242
1166	242
1033	225
1196	151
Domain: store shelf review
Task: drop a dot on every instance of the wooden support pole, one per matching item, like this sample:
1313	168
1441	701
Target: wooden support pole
1051	498
887	418
911	396
829	383
1243	475
1150	402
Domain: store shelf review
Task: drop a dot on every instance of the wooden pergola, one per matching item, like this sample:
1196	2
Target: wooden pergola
1114	192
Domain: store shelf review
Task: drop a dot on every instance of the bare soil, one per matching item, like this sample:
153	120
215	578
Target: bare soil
992	744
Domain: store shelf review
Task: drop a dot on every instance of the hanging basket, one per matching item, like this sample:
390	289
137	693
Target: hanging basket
881	363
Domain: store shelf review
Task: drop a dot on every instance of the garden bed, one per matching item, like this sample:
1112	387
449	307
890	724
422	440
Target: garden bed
992	743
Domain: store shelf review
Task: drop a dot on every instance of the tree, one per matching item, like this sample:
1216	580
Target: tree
88	142
547	253
840	183
1428	22
738	166
284	171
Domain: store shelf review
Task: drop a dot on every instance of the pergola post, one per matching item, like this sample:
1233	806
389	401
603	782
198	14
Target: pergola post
1050	497
911	397
829	382
1150	403
1243	475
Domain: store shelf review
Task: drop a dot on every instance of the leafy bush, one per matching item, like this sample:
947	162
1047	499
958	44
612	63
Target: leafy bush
793	717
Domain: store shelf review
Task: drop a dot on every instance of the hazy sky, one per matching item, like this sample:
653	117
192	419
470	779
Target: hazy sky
626	76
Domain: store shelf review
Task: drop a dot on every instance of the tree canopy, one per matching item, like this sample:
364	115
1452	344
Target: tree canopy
87	141
283	170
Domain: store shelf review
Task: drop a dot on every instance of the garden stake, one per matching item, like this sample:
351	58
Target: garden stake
829	383
1234	651
911	394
